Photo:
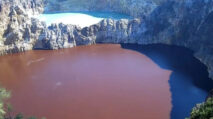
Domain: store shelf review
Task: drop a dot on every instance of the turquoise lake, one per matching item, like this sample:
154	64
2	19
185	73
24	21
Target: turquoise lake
82	19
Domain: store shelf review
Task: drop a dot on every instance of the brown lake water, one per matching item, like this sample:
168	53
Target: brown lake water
87	82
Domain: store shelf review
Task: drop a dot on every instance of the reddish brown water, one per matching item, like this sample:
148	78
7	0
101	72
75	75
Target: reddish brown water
87	82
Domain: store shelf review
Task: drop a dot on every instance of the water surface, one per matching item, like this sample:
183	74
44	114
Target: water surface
82	19
106	82
189	81
88	82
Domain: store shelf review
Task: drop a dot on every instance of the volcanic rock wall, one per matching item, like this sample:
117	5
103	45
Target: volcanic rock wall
17	30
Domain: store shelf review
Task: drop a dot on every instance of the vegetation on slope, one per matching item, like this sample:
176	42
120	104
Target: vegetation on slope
6	109
3	96
203	111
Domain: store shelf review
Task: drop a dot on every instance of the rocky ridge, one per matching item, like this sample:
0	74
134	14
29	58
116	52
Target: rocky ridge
187	23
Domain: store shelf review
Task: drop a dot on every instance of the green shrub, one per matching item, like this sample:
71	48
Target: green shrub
19	116
6	110
203	111
3	96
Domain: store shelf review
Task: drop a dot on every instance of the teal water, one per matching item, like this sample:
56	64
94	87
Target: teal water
82	19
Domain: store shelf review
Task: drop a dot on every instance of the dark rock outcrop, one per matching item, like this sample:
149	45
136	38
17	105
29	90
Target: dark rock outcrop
210	95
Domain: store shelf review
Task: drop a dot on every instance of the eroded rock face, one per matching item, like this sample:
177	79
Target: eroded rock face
17	31
187	23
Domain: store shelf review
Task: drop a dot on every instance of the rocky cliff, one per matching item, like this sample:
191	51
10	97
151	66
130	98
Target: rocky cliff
187	23
17	30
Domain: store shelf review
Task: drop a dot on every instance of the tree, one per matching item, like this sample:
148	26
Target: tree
203	111
3	96
19	116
